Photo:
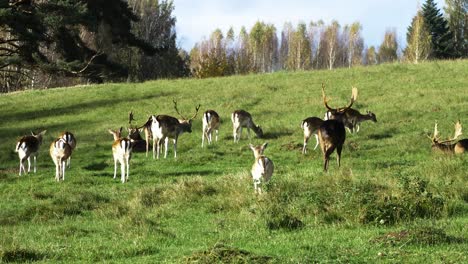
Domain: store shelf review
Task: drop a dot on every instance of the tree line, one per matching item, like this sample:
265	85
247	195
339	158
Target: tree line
50	43
318	45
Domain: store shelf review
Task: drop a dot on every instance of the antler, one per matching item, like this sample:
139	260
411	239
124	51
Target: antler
458	132
175	107
435	136
130	117
354	93
196	111
325	98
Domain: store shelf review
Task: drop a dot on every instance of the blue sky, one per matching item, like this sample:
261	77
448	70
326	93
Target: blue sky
196	19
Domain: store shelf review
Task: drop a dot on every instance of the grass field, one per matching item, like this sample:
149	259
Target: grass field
392	200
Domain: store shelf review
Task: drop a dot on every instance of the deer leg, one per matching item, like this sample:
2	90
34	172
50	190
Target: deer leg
175	147
166	145
21	166
122	171
35	163
357	125
328	152
29	164
338	156
248	133
154	147
63	164
128	167
317	141
304	148
115	167
216	135
202	138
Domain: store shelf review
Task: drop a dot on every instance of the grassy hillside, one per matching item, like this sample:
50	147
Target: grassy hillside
392	200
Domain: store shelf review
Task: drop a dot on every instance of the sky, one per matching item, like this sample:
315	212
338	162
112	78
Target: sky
197	19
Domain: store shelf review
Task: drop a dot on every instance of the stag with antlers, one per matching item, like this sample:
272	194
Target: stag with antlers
332	133
164	127
449	145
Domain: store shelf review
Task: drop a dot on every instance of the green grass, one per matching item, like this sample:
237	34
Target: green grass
392	200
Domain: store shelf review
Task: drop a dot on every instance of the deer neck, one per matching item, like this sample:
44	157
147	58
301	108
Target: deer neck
449	147
184	126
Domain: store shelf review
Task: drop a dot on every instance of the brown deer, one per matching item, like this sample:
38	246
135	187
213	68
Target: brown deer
449	145
211	122
310	126
60	152
354	118
28	146
164	127
240	119
263	167
332	133
122	153
71	141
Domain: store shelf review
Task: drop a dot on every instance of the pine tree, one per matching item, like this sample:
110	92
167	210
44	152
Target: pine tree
441	36
457	16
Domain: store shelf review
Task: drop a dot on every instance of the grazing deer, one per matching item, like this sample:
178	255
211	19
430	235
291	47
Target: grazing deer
164	127
339	113
122	153
240	119
353	118
60	152
332	133
310	126
211	123
70	140
28	146
263	167
449	146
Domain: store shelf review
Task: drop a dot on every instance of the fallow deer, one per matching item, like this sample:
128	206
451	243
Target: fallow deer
332	133
450	146
60	152
353	118
28	146
122	153
138	142
211	122
70	140
263	167
310	126
240	119
164	127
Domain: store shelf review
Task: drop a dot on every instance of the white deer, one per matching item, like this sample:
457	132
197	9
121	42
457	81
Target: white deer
28	146
60	151
211	123
263	167
122	153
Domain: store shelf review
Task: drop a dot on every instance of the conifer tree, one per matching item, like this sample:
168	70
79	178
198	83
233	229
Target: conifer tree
441	36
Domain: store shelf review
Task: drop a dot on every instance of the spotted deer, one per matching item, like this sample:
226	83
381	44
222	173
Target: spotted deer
263	167
71	141
354	118
240	119
164	127
211	122
122	153
310	126
332	133
28	146
60	151
449	145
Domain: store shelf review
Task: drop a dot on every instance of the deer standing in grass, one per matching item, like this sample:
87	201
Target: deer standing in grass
70	140
28	146
449	145
240	119
164	127
60	151
122	153
310	126
263	167
211	122
332	133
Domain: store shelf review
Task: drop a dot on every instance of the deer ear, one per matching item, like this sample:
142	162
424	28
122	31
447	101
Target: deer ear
110	131
265	145
251	146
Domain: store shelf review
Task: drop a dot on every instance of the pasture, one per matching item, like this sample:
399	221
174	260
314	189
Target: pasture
392	199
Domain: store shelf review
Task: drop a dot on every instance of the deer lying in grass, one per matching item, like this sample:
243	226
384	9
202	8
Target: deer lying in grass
450	146
332	133
263	167
240	119
71	140
310	126
165	127
28	146
122	153
60	152
211	122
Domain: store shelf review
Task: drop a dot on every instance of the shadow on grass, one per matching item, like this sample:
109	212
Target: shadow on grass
276	134
97	166
383	135
21	255
187	173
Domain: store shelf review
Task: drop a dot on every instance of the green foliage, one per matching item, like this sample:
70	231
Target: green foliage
441	36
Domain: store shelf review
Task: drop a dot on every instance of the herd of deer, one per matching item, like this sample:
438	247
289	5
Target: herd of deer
329	132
